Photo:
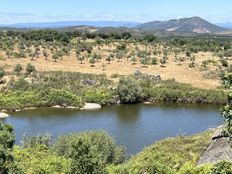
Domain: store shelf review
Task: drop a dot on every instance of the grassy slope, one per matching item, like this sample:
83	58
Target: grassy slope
166	156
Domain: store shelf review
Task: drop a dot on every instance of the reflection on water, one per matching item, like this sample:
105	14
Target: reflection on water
134	126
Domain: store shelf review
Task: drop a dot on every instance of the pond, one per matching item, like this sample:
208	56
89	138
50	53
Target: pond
134	126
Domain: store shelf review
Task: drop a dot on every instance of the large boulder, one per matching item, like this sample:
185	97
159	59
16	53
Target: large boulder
88	82
219	149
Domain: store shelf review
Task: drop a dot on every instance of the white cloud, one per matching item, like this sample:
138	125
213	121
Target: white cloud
10	18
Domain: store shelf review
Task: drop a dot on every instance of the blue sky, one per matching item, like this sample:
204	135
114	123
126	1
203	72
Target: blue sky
17	11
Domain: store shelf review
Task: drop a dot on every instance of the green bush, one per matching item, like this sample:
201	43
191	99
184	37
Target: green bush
18	68
7	140
13	100
222	168
90	152
39	159
30	68
101	96
2	73
129	90
168	156
62	98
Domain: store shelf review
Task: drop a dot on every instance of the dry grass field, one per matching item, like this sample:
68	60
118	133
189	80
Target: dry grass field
172	70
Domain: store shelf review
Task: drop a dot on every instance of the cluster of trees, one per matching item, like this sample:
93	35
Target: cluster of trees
146	49
47	89
88	152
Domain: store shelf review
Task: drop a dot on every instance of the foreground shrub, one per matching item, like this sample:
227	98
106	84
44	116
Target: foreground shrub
39	159
222	168
7	140
90	152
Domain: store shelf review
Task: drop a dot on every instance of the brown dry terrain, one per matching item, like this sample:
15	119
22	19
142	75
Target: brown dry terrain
173	70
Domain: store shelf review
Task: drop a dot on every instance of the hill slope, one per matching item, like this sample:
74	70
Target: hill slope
186	25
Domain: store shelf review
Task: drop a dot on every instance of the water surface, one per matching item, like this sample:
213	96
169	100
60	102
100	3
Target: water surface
134	126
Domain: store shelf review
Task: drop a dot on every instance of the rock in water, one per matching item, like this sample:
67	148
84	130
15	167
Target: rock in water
3	115
91	106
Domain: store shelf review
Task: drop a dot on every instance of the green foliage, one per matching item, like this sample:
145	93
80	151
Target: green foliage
30	68
90	152
226	80
38	98
2	73
129	90
62	98
40	160
226	111
154	61
18	68
171	91
30	142
7	140
222	168
149	37
121	47
190	168
101	96
168	156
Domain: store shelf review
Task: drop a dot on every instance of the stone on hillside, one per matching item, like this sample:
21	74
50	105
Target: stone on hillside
219	149
88	82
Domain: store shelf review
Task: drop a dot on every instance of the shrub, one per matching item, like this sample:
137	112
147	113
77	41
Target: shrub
39	159
63	98
101	96
18	68
90	152
7	140
129	90
2	73
222	168
30	142
30	68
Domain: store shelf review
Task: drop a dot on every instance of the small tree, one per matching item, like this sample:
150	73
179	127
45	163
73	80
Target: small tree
2	73
134	60
129	90
18	68
144	62
30	68
45	54
55	57
81	59
109	59
32	55
154	61
162	62
92	61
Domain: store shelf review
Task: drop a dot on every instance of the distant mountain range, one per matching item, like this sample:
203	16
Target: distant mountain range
183	25
63	24
225	25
